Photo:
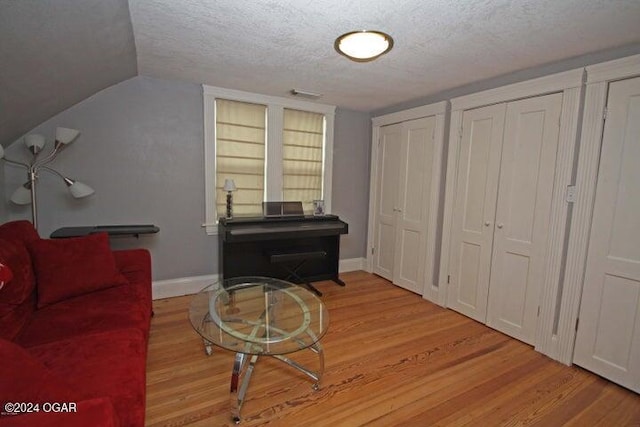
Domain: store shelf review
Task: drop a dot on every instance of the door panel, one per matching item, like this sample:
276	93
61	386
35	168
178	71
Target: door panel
474	210
409	251
616	323
522	215
608	337
385	252
469	273
413	203
385	227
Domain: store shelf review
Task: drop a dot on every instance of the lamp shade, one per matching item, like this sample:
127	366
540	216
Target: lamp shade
35	142
79	190
22	195
66	135
229	185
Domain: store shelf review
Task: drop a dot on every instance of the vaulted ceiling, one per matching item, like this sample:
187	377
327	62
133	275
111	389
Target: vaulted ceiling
55	53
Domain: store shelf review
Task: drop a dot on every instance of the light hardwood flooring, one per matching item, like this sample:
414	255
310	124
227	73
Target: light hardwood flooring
392	359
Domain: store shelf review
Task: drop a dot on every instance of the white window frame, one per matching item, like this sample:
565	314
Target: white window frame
274	137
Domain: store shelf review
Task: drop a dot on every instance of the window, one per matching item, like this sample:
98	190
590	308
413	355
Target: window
303	140
240	149
273	148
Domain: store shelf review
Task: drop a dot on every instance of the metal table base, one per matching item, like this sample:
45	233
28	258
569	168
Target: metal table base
242	371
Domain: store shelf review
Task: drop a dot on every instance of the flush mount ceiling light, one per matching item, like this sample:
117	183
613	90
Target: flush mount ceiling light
363	46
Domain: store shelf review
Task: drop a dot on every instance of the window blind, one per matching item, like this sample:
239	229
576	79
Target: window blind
240	155
302	157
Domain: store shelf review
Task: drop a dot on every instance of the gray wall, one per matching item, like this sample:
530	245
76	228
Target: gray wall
351	158
141	149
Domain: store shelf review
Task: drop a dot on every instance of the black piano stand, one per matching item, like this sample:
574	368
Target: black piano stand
287	258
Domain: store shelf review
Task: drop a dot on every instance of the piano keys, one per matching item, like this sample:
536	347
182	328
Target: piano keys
249	246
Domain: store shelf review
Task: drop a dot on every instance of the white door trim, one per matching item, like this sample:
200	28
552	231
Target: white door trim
547	341
613	70
431	290
598	78
570	84
548	84
413	113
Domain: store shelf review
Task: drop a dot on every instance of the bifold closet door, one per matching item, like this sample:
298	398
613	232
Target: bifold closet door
504	187
474	210
416	166
405	165
521	229
389	148
608	337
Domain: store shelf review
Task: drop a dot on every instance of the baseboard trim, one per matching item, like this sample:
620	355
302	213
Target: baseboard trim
181	286
190	285
352	264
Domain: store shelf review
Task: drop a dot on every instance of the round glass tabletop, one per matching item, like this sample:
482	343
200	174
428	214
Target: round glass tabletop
258	315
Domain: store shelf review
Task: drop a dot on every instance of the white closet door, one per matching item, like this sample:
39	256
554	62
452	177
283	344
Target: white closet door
386	203
412	213
608	337
522	215
474	210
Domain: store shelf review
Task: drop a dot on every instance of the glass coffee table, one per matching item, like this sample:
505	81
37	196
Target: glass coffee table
259	316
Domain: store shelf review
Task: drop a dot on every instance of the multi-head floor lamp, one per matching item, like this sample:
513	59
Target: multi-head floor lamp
26	193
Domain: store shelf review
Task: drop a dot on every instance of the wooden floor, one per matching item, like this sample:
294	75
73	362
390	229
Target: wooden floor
392	359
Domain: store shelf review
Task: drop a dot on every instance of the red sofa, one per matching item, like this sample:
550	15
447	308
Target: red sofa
74	328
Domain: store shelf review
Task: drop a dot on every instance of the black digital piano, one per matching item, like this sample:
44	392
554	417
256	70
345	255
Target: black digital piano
301	249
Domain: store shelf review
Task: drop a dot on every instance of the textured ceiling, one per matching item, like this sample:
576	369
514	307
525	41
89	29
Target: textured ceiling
55	53
273	46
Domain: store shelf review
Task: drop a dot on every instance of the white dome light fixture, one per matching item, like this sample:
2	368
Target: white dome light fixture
363	46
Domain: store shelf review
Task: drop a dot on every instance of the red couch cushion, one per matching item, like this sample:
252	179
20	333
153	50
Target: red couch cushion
68	268
15	256
109	364
17	299
27	379
14	318
106	310
16	296
19	231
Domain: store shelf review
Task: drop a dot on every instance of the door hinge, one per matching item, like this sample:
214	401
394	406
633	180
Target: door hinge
538	311
460	132
373	251
577	323
605	113
448	278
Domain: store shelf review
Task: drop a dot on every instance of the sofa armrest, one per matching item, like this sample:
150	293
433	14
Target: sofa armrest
134	264
97	412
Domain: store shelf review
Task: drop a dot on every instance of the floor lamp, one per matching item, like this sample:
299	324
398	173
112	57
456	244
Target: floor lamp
26	193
